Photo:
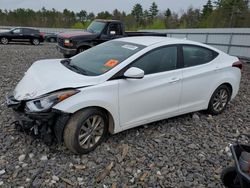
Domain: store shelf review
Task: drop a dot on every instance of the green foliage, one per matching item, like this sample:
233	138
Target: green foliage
153	10
221	13
80	25
137	12
157	24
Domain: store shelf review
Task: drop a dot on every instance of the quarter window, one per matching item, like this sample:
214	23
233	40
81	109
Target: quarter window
159	60
195	55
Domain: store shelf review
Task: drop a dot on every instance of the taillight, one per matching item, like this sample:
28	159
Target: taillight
237	64
42	34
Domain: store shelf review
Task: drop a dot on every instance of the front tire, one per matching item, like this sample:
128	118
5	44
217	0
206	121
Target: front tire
85	130
219	100
4	40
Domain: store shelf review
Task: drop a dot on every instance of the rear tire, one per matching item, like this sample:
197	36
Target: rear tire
35	42
85	130
4	40
219	100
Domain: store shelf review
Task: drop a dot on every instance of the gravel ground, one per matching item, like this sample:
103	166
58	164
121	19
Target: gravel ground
185	151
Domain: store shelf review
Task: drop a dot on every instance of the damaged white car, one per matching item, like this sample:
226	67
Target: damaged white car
119	85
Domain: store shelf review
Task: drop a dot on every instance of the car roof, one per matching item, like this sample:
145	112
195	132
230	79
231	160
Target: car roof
148	41
105	20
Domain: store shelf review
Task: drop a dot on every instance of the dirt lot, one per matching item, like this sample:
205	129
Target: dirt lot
186	151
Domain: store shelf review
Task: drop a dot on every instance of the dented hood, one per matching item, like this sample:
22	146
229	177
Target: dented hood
47	76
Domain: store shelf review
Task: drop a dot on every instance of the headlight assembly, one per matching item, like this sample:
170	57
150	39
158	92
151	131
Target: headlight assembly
46	102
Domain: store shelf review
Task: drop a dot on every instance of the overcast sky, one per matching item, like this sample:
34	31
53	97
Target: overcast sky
100	5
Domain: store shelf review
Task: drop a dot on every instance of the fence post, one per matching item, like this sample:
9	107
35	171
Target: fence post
206	40
230	43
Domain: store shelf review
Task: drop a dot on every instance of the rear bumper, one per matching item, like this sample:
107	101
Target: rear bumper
45	125
66	51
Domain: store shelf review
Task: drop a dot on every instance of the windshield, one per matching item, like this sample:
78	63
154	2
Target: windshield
96	27
102	58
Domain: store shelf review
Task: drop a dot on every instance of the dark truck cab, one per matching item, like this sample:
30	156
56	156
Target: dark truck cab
99	31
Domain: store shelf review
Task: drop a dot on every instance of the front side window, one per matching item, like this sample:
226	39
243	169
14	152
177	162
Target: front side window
102	58
17	31
159	60
195	55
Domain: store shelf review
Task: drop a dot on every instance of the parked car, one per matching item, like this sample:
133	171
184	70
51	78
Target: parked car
99	31
122	84
51	37
20	34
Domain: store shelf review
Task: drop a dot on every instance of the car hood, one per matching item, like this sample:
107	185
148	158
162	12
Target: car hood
4	32
75	34
46	76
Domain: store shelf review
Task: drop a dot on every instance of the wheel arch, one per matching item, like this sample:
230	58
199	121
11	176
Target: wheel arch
228	84
110	116
84	45
111	122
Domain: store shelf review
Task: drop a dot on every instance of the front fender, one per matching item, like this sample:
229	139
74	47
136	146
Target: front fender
104	95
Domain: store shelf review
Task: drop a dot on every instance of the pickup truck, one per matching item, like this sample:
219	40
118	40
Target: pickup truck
99	31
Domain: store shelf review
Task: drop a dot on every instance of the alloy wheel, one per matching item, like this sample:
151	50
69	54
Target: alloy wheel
220	100
4	40
36	41
91	131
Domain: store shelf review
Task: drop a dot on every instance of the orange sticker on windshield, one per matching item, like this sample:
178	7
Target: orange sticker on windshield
111	63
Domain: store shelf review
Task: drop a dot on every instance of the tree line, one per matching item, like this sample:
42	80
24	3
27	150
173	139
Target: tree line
218	14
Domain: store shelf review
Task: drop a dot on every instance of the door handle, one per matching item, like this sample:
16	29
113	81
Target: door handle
175	79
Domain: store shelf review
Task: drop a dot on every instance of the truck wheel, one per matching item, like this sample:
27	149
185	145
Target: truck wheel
81	49
4	40
85	130
35	41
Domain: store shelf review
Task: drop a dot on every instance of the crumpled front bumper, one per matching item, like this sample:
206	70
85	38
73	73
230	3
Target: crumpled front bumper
45	125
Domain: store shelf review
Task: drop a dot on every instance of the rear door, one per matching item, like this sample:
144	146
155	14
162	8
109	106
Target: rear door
157	95
199	74
26	34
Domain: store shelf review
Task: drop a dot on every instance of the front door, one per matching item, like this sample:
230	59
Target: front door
17	34
157	95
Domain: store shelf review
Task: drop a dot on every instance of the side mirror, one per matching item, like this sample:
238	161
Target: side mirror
112	33
134	73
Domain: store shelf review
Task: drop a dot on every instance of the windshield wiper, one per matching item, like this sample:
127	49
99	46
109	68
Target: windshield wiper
68	64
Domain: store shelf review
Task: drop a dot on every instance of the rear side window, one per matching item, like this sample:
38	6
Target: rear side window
159	60
195	55
26	30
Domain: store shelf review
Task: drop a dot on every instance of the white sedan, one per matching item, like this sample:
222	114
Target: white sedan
122	84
